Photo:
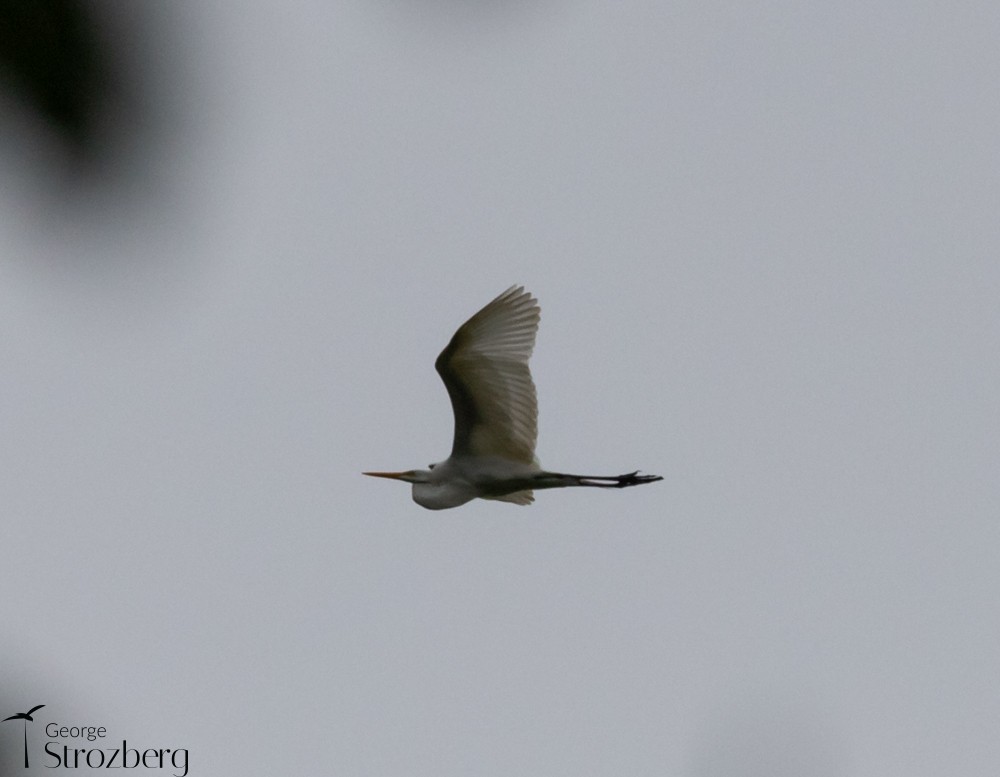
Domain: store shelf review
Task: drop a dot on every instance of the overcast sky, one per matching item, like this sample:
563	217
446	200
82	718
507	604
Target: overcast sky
765	240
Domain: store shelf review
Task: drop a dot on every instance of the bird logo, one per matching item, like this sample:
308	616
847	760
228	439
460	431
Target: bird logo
25	716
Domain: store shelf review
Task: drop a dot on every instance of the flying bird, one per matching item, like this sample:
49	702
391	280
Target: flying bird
24	715
485	369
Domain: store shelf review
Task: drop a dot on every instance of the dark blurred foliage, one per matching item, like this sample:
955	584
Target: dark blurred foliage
52	58
67	63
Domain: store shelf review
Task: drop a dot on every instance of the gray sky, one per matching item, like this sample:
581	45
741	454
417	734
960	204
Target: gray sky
765	241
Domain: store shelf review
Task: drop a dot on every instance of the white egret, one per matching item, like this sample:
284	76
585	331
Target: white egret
485	369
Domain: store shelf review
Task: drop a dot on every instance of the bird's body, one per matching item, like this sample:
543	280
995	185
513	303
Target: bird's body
458	480
485	369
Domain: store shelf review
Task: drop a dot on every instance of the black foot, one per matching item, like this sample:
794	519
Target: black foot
634	479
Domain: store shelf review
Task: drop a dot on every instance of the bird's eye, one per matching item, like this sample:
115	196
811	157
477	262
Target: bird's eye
431	466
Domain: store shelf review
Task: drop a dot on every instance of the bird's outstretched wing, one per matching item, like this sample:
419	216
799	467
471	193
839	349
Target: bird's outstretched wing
485	369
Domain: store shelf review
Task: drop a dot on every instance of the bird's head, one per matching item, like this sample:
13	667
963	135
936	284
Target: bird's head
409	476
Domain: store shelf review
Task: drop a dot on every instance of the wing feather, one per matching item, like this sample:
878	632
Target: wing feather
518	497
485	369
